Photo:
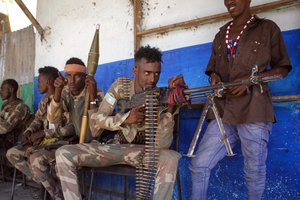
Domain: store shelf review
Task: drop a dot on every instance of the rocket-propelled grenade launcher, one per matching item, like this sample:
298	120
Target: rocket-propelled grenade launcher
92	64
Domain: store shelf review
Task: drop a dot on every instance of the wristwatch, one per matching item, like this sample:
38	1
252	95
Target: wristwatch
94	102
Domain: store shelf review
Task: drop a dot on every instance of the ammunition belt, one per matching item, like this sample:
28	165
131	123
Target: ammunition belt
147	167
125	83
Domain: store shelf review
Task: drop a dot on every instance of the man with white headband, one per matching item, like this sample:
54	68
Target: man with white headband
69	94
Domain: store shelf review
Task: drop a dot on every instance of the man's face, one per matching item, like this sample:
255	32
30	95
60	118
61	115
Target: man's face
236	8
146	74
42	83
76	82
5	91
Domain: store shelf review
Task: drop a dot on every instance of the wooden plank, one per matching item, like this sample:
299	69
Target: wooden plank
34	22
217	17
137	13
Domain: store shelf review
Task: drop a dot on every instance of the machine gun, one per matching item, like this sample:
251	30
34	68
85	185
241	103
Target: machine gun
219	90
210	92
163	93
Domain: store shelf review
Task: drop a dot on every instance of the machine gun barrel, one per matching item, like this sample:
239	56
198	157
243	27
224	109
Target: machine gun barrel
202	91
139	99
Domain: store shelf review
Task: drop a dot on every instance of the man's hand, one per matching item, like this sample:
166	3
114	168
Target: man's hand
91	86
238	91
37	137
215	79
59	84
26	136
28	151
136	116
177	86
171	108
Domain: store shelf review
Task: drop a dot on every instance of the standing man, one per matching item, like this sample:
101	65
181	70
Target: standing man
14	112
30	158
128	144
247	113
69	95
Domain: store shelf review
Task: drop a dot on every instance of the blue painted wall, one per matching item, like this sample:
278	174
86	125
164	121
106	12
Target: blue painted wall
227	182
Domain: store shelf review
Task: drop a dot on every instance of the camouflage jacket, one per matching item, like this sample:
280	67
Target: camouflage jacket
74	105
61	129
104	118
13	115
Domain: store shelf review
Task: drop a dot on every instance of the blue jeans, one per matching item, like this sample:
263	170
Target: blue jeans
254	139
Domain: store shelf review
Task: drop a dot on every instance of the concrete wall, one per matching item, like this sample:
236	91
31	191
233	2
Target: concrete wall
70	25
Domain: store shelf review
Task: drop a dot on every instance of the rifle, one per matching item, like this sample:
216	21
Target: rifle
210	92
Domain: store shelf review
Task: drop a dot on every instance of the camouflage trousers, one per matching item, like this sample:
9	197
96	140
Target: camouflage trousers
38	167
16	156
71	157
41	168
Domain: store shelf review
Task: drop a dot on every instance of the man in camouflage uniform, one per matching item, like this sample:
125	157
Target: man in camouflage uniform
71	157
14	112
30	158
70	94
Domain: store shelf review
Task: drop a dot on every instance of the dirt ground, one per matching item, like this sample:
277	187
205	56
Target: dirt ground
21	192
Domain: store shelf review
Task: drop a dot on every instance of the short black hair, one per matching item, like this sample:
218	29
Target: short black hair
12	83
50	72
151	54
75	60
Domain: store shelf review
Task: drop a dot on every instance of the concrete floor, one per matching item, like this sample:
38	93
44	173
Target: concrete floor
21	192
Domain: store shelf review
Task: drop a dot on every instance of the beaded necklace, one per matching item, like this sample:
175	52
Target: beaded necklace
231	47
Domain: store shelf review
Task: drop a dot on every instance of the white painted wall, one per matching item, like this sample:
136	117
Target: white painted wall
70	26
178	11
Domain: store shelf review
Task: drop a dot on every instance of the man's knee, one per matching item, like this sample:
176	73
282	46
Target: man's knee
12	154
9	152
200	172
196	164
36	159
169	158
60	151
65	152
168	163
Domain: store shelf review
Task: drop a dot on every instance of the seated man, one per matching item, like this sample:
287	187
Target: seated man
131	126
39	133
70	92
14	112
